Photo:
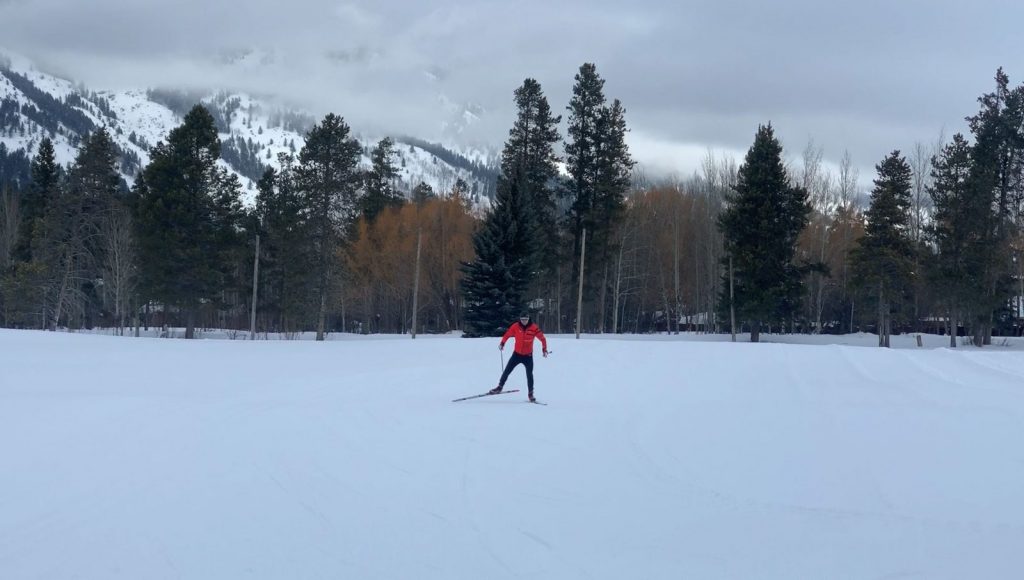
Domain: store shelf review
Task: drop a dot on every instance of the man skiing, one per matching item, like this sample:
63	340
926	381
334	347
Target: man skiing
524	332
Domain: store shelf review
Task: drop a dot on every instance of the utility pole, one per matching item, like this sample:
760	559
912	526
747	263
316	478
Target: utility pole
579	295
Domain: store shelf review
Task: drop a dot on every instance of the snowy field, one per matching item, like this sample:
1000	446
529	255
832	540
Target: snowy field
664	457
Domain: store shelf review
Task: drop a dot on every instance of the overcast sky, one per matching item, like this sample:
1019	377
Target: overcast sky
868	76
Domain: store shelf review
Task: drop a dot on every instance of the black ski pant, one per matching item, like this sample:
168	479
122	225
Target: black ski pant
527	361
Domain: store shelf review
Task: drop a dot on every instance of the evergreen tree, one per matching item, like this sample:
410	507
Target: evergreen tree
765	215
516	242
954	231
614	171
529	160
600	168
381	191
187	219
494	285
43	191
582	149
462	193
30	289
422	192
329	179
286	268
95	176
884	258
997	175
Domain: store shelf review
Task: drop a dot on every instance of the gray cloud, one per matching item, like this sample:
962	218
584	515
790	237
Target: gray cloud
868	77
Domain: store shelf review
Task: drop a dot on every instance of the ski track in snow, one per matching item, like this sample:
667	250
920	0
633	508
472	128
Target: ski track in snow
222	459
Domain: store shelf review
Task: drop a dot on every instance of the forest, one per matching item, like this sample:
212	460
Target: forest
572	231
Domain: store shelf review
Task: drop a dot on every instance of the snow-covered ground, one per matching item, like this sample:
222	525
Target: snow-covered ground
669	458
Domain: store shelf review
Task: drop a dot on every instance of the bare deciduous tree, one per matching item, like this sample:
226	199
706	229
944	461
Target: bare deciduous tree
120	268
848	199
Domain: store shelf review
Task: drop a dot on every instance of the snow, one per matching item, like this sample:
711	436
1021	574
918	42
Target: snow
149	120
676	457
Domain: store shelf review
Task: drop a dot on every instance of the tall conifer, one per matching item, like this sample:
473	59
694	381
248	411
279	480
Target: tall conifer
186	218
765	215
328	178
883	259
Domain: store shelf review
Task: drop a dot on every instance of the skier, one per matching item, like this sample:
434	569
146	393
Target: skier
524	332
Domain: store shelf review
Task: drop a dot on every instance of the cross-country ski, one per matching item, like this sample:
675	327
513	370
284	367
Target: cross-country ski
488	394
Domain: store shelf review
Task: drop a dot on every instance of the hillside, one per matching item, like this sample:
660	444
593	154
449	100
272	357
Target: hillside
253	132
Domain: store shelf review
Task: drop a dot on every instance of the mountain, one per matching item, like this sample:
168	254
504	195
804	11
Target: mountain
253	132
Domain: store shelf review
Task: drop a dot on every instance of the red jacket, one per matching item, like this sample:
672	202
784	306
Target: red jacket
524	336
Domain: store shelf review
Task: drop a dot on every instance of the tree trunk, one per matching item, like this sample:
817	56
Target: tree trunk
668	312
618	289
558	297
852	305
62	294
732	303
881	315
917	291
820	302
416	282
190	322
321	319
603	301
755	331
255	289
675	264
953	328
579	296
889	323
979	332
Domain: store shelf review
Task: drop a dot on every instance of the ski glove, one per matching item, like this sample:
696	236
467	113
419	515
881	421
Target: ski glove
545	353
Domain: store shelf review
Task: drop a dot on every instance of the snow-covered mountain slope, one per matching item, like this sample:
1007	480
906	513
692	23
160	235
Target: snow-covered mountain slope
346	459
34	104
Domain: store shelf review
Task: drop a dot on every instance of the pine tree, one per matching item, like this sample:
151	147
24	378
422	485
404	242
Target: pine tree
460	191
515	244
422	192
582	149
494	285
997	175
286	266
954	233
381	190
529	160
328	179
43	191
600	167
187	219
765	215
614	171
884	258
